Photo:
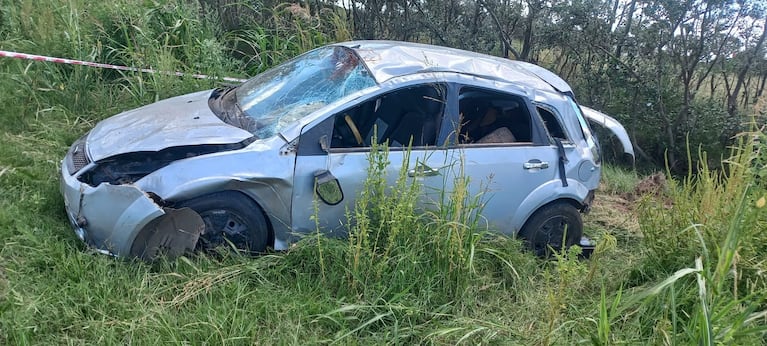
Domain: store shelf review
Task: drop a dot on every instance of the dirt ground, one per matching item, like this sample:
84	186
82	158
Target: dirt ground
617	213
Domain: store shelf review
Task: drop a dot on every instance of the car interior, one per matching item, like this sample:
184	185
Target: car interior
397	117
489	117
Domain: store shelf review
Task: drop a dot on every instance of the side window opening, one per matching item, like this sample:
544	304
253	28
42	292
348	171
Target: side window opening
553	125
412	113
492	117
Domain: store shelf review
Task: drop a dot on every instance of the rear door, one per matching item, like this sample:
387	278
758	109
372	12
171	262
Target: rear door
503	148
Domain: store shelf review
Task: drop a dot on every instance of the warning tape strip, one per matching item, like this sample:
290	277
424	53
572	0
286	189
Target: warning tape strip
25	56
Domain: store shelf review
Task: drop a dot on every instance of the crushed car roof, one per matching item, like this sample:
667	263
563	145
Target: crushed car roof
389	59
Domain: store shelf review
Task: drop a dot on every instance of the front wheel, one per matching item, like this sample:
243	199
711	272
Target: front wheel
230	218
550	226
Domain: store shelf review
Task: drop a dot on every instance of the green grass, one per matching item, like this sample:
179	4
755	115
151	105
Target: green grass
617	180
684	266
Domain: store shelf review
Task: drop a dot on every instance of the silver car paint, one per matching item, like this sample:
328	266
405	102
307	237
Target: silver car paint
112	214
267	171
345	166
545	186
611	124
263	171
390	59
115	214
348	167
177	121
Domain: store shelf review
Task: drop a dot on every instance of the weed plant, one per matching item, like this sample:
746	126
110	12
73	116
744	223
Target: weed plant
617	180
695	274
705	234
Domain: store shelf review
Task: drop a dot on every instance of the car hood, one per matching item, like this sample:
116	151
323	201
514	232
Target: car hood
612	125
178	121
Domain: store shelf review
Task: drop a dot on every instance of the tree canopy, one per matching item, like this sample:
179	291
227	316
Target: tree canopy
681	75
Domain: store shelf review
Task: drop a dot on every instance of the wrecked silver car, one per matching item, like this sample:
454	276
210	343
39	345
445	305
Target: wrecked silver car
244	165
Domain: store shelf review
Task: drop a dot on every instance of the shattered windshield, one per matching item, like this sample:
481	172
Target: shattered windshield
276	98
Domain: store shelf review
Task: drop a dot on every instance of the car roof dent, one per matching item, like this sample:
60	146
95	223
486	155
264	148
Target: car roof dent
549	77
611	124
389	59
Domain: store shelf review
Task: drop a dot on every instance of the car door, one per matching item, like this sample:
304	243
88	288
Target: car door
505	152
335	153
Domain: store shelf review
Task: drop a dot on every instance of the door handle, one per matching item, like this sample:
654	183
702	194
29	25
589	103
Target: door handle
533	164
422	171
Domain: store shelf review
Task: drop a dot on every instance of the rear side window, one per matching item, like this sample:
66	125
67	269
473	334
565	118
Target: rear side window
491	117
586	130
551	121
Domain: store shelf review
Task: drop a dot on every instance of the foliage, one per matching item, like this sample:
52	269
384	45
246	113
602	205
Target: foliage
406	276
263	34
617	180
675	73
714	220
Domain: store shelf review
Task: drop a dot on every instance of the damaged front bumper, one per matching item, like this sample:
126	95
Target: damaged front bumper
110	218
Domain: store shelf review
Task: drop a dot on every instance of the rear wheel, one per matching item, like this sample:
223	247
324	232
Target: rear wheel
550	226
230	218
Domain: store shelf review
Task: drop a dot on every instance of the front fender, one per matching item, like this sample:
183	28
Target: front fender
262	172
545	194
264	191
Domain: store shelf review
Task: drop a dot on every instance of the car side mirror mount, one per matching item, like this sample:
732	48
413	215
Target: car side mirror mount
327	188
324	145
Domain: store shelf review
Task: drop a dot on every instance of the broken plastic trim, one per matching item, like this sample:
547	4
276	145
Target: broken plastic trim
587	247
562	161
77	157
170	235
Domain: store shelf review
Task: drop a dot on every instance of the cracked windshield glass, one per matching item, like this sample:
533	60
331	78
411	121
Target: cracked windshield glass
293	90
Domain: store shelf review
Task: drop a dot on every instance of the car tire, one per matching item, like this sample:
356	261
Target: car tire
545	229
230	217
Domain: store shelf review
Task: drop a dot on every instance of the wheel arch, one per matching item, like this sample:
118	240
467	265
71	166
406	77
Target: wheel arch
574	203
261	192
258	205
552	192
553	227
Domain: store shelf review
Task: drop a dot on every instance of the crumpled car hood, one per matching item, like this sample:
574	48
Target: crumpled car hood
178	121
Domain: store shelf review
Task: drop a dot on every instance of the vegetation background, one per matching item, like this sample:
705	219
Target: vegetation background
679	261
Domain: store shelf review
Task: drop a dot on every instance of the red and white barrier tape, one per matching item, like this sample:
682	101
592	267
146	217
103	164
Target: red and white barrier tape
15	55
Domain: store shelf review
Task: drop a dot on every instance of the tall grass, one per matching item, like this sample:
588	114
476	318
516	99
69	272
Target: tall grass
267	36
405	275
401	266
393	241
706	234
617	180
